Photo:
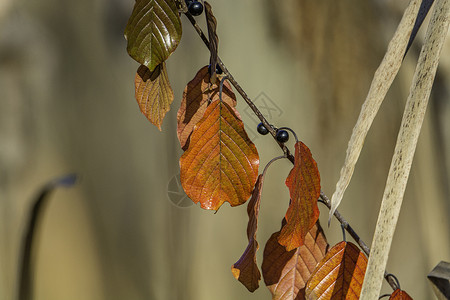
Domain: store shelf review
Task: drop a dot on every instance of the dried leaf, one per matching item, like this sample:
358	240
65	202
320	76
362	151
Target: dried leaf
286	273
153	93
304	188
153	31
398	294
197	95
339	275
245	269
221	163
211	22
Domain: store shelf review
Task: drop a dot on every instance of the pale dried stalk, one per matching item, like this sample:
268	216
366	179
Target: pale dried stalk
404	150
382	80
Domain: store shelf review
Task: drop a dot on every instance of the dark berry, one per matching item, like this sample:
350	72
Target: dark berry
262	129
282	136
195	8
218	69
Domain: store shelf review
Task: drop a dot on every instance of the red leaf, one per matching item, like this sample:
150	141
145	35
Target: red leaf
245	269
153	93
286	273
339	275
398	294
221	163
304	188
197	95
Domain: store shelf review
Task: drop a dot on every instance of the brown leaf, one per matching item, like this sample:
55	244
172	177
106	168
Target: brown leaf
211	22
339	275
153	93
197	95
286	273
398	294
245	269
221	163
304	188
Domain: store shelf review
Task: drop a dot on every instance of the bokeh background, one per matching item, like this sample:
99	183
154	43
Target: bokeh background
67	105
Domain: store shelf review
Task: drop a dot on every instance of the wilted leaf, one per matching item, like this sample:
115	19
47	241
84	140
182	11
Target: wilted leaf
153	93
221	163
286	273
398	294
153	31
211	22
197	95
304	188
339	275
245	269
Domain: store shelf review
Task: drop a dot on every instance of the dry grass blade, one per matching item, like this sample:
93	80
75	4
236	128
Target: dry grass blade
406	144
383	78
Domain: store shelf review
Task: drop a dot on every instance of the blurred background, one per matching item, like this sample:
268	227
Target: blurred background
124	232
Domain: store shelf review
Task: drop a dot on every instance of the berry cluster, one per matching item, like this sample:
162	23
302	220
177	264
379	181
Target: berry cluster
281	135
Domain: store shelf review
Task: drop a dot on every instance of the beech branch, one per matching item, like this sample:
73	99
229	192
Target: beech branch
323	198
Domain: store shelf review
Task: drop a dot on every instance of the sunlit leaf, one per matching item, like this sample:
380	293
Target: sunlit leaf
245	269
286	273
221	163
197	95
339	275
153	93
304	188
398	294
153	31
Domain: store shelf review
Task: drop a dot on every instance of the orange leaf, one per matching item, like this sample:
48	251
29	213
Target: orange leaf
221	163
245	269
197	95
304	188
339	275
286	273
398	294
153	93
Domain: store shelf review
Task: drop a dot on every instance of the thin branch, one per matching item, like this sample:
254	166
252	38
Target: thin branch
285	149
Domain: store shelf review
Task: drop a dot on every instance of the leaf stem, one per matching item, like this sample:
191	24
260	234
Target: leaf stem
285	149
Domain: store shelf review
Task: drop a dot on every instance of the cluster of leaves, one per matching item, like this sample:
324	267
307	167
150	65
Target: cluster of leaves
220	164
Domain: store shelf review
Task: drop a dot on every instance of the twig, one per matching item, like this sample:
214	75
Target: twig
285	149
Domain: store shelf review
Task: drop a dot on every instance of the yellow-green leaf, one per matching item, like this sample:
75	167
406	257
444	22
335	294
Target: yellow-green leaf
153	93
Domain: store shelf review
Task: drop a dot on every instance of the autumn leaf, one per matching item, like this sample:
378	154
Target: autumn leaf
339	275
286	272
398	294
153	93
197	95
221	163
304	188
245	269
153	31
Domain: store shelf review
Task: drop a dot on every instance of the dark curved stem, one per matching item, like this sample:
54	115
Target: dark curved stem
285	149
26	268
